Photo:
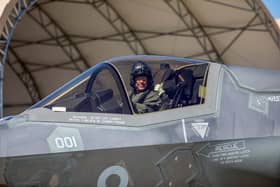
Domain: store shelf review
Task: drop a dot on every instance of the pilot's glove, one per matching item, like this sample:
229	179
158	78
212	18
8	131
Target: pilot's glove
159	88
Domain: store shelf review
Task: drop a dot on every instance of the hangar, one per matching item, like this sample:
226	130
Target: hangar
45	43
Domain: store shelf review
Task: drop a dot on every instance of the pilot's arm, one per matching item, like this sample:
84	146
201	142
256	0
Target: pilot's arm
146	103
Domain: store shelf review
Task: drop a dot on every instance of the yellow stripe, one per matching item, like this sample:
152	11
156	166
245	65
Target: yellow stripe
202	91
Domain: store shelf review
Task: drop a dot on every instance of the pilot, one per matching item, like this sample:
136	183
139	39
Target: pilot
143	96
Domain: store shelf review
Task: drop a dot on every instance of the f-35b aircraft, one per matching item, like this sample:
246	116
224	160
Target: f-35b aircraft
221	129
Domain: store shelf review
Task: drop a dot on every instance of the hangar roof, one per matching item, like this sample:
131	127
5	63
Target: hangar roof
45	43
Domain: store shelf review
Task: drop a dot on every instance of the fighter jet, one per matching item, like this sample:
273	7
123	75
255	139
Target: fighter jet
220	128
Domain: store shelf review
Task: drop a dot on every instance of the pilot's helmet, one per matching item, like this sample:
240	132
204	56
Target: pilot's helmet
140	68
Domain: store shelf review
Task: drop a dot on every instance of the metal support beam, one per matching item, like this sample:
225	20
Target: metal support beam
223	30
43	67
25	76
146	35
41	17
25	105
238	35
180	8
109	13
228	4
197	55
79	39
21	7
255	6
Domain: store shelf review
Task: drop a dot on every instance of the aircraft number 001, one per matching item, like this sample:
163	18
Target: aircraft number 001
66	142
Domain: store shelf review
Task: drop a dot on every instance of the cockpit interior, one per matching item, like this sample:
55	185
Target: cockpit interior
104	88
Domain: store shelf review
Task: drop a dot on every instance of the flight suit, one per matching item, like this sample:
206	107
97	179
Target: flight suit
147	101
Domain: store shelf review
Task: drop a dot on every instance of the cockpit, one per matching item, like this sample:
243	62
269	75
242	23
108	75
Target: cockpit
105	87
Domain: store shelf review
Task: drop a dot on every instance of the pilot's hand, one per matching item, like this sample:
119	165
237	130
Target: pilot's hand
159	88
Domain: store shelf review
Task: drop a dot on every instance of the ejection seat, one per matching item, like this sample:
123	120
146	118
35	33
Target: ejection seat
168	83
181	87
184	88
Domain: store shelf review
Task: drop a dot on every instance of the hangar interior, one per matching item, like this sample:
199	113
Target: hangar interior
45	43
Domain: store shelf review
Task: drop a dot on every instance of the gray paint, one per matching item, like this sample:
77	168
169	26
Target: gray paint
227	113
236	110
